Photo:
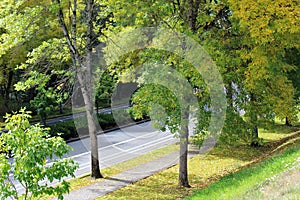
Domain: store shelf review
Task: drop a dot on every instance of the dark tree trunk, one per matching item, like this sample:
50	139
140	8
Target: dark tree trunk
254	122
193	14
255	142
7	91
44	118
184	138
287	122
230	95
61	110
97	106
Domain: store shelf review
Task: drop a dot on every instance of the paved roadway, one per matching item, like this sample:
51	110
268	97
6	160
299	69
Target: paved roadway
80	114
118	146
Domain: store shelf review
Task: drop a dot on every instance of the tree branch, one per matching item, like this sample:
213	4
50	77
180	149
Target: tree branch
63	25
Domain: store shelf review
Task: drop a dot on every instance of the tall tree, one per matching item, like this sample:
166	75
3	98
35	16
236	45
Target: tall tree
77	27
266	29
180	16
82	62
18	39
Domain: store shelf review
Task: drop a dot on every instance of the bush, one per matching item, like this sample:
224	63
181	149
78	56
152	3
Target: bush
68	130
65	130
31	146
198	139
106	121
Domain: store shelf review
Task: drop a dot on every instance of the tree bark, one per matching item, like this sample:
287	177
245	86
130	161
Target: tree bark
95	166
61	110
287	122
254	122
230	95
7	91
193	14
184	138
90	104
84	75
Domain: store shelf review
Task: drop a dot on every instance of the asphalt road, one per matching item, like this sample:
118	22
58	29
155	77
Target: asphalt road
81	114
120	145
117	146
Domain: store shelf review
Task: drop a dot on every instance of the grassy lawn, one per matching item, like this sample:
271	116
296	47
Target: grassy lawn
276	132
285	185
205	170
248	183
254	182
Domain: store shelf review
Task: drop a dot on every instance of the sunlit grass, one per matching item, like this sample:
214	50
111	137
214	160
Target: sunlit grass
203	170
285	185
246	184
276	132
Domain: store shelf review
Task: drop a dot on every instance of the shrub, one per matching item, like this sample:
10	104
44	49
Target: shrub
31	147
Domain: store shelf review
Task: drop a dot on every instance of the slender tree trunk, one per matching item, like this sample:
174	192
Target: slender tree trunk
255	131
44	118
97	107
84	74
184	138
90	104
254	122
61	110
95	166
230	95
193	14
7	91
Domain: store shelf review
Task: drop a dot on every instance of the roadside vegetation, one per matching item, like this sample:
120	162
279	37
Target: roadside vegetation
239	58
31	146
68	130
261	181
221	164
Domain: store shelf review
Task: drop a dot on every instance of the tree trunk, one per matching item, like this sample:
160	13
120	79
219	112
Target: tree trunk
255	142
184	138
84	74
254	122
90	102
95	166
44	118
230	95
193	14
7	91
287	122
97	107
61	110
